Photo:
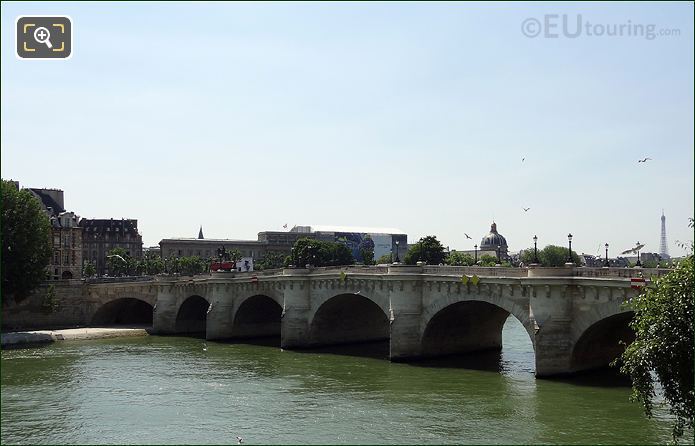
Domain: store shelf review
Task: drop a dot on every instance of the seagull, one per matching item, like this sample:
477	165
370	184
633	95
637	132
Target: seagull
467	236
522	159
644	160
239	440
116	255
285	226
525	209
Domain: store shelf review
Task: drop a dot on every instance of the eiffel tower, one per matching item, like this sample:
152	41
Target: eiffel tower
663	246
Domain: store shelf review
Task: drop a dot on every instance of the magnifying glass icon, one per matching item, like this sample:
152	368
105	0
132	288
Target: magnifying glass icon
41	35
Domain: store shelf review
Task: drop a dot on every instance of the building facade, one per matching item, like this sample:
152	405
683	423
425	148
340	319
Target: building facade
102	235
66	262
281	242
66	235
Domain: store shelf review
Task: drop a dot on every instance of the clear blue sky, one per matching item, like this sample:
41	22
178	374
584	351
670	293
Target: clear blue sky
244	117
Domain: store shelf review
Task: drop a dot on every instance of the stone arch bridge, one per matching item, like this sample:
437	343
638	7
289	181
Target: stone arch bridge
575	317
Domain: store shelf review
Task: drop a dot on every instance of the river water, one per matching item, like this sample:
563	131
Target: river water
182	390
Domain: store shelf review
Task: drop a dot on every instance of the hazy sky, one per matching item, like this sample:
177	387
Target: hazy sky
244	117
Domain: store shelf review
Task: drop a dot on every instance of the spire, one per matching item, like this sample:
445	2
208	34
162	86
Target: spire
663	245
200	233
493	227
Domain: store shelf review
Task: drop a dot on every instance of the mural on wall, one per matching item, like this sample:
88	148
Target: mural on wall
354	240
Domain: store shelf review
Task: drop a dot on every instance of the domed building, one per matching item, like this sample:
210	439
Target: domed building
494	239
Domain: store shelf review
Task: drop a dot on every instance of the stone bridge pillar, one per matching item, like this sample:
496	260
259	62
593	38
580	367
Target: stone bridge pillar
405	300
220	322
165	309
296	309
551	306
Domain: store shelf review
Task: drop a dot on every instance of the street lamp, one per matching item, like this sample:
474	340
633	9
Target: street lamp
475	247
638	256
398	260
569	253
606	264
498	255
535	249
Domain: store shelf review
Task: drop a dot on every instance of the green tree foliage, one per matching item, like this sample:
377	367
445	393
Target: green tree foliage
551	255
26	241
427	249
367	250
386	258
487	260
663	348
88	269
119	263
193	265
271	260
318	253
458	258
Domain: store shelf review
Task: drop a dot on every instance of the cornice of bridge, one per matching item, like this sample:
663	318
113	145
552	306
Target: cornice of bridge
580	276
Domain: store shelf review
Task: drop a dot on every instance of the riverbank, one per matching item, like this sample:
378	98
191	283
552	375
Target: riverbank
35	337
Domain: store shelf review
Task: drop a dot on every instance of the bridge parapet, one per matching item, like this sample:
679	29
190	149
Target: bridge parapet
621	272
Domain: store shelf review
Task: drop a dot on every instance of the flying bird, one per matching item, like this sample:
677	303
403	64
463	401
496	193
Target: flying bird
285	226
239	440
467	236
644	160
525	209
522	159
634	250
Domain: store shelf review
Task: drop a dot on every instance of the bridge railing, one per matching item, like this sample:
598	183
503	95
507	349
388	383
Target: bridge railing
481	271
621	272
119	279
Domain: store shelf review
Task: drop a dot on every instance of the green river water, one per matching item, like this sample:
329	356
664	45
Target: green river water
171	390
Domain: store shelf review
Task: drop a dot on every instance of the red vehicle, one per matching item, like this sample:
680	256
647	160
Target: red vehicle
223	266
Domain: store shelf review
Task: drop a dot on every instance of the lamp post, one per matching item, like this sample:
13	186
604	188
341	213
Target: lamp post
397	260
569	253
498	255
638	256
475	247
535	249
606	264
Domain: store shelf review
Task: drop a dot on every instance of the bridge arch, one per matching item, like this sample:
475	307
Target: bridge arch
124	311
258	315
452	325
601	342
191	316
349	318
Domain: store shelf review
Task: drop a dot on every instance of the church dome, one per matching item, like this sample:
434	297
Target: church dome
493	240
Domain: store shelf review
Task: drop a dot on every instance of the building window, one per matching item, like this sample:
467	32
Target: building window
56	258
67	258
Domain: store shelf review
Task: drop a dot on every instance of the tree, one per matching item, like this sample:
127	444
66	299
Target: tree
386	258
367	250
663	347
88	269
192	265
271	260
319	253
551	255
458	258
487	260
427	249
26	241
